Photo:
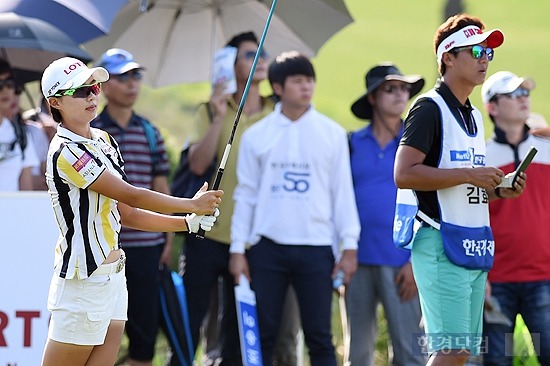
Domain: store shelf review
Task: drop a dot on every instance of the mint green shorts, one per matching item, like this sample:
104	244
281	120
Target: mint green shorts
451	297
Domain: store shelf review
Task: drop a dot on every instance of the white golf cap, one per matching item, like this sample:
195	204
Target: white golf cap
66	73
468	36
503	82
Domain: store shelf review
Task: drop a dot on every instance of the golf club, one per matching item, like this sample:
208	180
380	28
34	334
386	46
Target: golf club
227	150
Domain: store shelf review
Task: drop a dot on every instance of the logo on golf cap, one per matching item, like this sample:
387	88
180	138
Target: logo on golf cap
73	67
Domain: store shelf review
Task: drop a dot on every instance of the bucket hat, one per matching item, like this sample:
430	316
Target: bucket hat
375	77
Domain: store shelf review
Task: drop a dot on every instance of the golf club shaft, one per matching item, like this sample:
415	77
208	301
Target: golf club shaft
227	150
345	326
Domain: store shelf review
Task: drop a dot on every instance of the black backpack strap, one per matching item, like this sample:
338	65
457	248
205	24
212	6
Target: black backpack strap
20	133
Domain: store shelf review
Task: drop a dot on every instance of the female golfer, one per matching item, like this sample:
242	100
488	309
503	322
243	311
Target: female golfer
91	200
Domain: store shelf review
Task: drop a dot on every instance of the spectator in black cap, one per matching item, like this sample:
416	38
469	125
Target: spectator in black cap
384	274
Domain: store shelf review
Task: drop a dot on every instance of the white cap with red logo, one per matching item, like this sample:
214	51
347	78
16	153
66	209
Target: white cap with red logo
468	36
66	73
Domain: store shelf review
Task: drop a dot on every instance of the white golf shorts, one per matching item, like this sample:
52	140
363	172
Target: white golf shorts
81	310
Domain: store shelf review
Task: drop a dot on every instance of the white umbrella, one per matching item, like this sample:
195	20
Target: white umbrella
175	39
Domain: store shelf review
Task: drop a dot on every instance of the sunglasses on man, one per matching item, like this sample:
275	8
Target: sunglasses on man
477	51
7	83
134	75
516	94
249	55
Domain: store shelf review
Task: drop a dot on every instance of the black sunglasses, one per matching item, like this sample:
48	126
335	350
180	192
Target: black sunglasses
392	89
516	94
7	83
134	75
249	55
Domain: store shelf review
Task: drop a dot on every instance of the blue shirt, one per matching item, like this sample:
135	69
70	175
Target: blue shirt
375	193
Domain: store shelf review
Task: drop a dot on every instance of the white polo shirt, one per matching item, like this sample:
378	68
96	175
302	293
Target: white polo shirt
12	160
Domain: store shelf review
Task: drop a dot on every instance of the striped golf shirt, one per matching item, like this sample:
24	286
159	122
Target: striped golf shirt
89	222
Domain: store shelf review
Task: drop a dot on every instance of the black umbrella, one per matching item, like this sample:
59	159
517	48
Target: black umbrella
30	45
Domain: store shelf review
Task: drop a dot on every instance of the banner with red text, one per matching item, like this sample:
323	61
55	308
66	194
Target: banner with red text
28	233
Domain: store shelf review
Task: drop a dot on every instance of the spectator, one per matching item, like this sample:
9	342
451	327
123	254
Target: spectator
17	152
207	259
519	280
290	210
385	273
441	157
38	136
145	168
41	117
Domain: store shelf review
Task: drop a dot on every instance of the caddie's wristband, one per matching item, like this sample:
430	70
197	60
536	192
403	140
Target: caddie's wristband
497	192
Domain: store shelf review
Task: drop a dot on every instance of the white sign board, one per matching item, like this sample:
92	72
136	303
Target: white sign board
28	233
247	316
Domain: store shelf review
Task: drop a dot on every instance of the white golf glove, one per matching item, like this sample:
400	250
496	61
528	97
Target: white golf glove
196	222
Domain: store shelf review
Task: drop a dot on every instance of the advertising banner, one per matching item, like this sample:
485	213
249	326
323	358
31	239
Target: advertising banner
28	233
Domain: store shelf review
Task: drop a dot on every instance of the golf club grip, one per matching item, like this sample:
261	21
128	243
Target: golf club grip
216	185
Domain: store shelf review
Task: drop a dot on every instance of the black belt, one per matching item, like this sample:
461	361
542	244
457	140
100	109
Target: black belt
425	224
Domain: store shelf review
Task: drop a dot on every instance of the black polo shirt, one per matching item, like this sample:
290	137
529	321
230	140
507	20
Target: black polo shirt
423	132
